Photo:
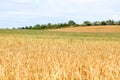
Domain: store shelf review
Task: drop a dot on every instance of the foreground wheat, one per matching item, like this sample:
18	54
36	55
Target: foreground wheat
58	59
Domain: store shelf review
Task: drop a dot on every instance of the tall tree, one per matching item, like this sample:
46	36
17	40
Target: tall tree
96	23
71	22
110	22
87	23
103	23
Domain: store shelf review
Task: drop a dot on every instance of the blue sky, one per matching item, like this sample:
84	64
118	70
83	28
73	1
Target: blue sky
18	13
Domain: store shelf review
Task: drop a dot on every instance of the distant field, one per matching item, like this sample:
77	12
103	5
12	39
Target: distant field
62	35
104	29
54	55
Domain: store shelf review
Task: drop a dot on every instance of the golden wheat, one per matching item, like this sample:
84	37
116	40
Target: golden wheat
110	29
58	59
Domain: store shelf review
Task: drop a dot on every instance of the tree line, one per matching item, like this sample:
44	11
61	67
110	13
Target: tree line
70	23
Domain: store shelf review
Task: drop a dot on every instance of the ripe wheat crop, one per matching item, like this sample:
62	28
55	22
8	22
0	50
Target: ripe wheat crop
101	29
24	58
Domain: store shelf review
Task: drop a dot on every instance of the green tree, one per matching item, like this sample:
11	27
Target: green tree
118	22
26	27
30	27
96	23
49	25
87	23
110	22
71	22
103	23
22	28
13	28
37	26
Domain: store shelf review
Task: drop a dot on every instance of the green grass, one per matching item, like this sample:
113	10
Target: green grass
57	35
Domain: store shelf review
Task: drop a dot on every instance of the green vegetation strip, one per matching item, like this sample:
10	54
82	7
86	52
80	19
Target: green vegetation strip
57	35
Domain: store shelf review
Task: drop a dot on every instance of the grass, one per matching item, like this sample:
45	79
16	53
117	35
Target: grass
46	55
64	35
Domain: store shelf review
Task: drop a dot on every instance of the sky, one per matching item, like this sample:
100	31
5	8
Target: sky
20	13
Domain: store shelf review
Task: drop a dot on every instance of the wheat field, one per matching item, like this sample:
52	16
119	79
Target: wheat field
108	29
26	58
